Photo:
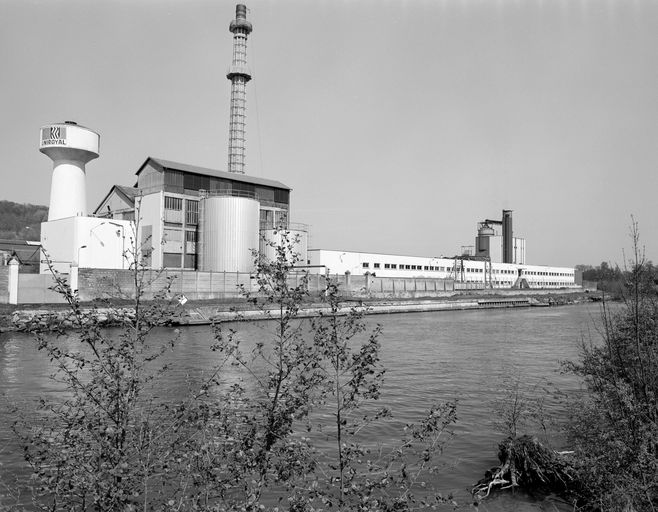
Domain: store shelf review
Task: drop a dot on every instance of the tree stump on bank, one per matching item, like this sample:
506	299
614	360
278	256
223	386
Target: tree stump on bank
527	464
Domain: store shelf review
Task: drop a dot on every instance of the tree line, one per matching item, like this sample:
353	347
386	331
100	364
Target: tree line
20	221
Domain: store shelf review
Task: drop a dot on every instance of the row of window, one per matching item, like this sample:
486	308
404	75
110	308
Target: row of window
430	268
554	274
403	266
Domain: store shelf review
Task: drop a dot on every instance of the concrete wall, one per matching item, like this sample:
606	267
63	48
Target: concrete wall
4	284
102	284
150	227
96	284
99	284
36	289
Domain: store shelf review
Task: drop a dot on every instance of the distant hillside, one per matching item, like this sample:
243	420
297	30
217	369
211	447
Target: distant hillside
21	221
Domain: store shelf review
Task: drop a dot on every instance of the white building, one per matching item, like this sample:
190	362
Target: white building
70	237
461	269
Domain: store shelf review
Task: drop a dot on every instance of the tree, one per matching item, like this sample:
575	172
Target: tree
614	428
360	476
103	444
243	438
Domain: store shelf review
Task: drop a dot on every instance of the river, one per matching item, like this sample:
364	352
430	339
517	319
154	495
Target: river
429	357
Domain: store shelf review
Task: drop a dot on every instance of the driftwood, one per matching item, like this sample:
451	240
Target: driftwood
527	464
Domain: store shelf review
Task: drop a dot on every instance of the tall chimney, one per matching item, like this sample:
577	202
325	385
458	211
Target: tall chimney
239	74
508	237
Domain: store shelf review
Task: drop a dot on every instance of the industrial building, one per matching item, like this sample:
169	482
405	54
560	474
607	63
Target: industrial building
180	216
463	269
176	215
196	218
498	262
496	241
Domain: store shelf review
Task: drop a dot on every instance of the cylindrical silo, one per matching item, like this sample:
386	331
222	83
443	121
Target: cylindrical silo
228	234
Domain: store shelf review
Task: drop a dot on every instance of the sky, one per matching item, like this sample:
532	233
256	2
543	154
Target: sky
399	124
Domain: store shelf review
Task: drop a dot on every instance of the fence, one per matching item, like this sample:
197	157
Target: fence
98	284
93	284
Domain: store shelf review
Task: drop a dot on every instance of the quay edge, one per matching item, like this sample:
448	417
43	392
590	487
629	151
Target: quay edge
207	312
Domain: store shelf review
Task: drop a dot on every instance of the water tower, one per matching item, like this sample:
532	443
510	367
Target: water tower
70	147
70	239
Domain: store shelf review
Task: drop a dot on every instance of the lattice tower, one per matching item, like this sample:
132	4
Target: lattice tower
239	74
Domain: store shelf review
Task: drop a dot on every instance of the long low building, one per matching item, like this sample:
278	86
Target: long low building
465	269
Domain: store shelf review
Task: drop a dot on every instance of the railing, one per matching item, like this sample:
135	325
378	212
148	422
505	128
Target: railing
227	193
284	226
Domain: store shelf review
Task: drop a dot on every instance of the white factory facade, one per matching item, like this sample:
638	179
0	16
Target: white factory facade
189	218
463	269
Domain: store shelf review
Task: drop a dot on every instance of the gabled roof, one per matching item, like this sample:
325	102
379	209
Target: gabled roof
193	169
126	193
129	193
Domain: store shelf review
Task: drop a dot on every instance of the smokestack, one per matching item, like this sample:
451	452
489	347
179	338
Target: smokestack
239	74
508	237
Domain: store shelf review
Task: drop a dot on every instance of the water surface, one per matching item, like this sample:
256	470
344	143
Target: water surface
429	357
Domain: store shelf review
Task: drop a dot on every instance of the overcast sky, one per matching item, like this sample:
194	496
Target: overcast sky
398	124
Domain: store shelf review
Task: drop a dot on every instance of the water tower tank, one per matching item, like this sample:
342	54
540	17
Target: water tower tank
70	147
228	232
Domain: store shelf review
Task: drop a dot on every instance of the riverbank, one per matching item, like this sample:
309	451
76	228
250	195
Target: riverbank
207	312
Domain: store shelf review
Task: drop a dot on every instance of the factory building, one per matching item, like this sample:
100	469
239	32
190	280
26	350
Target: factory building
498	262
180	216
463	269
192	217
495	240
195	218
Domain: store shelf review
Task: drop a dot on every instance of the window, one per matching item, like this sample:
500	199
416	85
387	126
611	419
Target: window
394	265
366	265
192	211
171	260
190	236
190	261
196	182
173	203
172	235
407	267
426	268
376	265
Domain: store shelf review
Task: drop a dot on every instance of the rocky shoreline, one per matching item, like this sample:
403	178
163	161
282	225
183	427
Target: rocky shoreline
206	312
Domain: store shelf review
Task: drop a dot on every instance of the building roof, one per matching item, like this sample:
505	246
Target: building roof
193	169
126	193
129	193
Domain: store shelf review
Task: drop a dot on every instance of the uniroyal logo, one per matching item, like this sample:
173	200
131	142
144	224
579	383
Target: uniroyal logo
52	135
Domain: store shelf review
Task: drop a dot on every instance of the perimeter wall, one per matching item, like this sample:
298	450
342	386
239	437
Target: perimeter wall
93	284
